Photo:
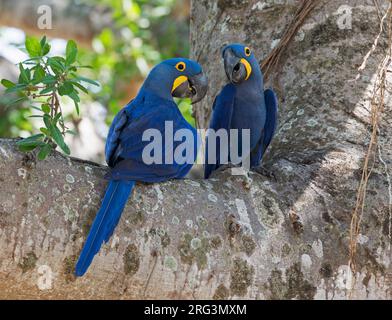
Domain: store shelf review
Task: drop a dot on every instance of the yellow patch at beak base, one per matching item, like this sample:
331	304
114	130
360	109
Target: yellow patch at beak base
179	81
247	67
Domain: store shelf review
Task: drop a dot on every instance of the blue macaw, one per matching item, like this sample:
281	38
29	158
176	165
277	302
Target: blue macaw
243	104
150	109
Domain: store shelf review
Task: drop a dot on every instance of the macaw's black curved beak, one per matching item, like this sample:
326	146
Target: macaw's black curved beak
235	70
194	88
199	86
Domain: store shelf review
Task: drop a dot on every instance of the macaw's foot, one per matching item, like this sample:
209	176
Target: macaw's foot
224	167
264	172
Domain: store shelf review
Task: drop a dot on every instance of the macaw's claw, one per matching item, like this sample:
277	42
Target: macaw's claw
265	172
223	167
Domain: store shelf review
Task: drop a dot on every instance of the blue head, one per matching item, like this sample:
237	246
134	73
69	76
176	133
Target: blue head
177	77
240	64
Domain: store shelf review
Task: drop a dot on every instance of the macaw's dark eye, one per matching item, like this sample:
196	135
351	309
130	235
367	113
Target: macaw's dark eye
247	51
180	66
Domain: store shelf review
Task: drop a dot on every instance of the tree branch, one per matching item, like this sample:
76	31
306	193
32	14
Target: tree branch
230	236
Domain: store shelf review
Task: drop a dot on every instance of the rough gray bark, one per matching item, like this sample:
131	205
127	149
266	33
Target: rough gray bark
70	19
324	116
231	236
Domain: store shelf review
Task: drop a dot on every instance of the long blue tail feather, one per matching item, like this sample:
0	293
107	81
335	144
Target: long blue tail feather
105	222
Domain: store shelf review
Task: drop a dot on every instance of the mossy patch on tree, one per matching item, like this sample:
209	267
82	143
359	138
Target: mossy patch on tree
165	239
69	268
241	277
216	242
248	245
137	218
201	221
286	249
221	293
131	260
326	270
295	286
88	220
28	262
193	249
171	263
161	233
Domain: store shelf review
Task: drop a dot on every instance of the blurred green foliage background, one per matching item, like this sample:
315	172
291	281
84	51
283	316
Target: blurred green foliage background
142	33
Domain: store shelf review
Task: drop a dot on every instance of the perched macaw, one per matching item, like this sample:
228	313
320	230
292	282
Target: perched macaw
244	104
151	108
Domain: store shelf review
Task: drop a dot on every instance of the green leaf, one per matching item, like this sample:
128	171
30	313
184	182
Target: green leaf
66	88
56	64
29	63
28	73
57	117
39	74
45	150
31	142
75	97
80	78
16	88
59	59
77	84
35	137
7	83
45	131
33	47
36	108
48	79
71	132
58	138
14	101
84	66
71	52
27	148
45	108
42	41
47	121
56	134
33	60
47	89
24	76
77	107
46	49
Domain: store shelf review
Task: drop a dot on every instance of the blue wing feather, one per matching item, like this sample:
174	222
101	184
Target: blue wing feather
112	140
127	157
105	221
271	103
221	119
271	121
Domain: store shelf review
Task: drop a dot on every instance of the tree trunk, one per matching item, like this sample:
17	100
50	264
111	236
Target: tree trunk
230	236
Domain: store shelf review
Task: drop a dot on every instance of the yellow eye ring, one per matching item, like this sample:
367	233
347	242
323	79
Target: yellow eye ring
180	66
247	51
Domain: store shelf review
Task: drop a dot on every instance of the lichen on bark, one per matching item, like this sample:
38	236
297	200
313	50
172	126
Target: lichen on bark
231	236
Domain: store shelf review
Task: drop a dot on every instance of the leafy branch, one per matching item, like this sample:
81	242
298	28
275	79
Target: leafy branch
43	79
